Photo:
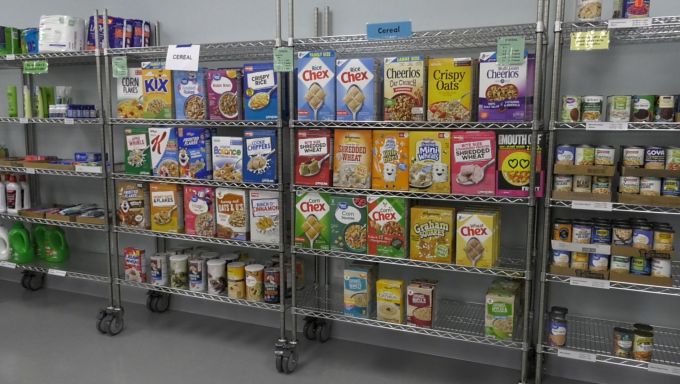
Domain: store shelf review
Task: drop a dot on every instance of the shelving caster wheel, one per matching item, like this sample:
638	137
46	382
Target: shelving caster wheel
110	321
286	357
32	281
310	327
157	302
323	330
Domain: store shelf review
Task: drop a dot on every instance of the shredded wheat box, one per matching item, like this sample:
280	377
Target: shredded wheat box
473	163
352	159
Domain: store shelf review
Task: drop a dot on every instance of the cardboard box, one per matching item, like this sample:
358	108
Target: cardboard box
316	85
91	220
404	88
502	309
642	172
194	157
260	102
190	95
658	201
137	151
506	91
352	158
477	238
432	234
166	207
449	89
158	90
473	163
358	89
313	157
430	161
38	212
349	224
390	160
586	170
637	279
223	88
359	288
420	299
581	196
58	217
312	220
514	155
390	300
231	213
264	216
387	226
45	165
199	210
259	156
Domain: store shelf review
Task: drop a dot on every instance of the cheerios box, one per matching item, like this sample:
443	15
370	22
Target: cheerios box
164	151
231	213
473	163
157	90
312	220
449	89
316	85
358	89
404	88
359	289
506	92
387	228
514	156
259	156
264	216
260	92
430	160
137	151
195	160
349	224
190	96
390	160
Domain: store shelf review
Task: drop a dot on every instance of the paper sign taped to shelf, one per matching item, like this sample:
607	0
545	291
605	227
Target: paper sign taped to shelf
576	355
30	171
119	65
604	249
510	50
662	368
629	23
35	67
283	59
592	205
606	126
88	168
69	121
591	283
56	272
10	56
182	57
23	120
7	264
392	30
589	40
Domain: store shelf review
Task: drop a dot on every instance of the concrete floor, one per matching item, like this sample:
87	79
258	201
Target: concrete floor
50	336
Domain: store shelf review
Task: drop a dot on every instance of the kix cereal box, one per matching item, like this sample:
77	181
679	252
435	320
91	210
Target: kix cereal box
359	288
316	85
157	93
430	161
352	159
312	220
387	228
166	207
432	231
449	89
514	156
349	224
390	160
474	162
358	89
477	238
390	300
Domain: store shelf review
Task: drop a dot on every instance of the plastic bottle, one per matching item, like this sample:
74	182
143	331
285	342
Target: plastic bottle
20	244
56	247
25	193
13	192
4	244
12	110
39	231
28	106
3	197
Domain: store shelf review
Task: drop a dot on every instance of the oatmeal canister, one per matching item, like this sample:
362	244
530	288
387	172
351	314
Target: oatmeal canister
197	274
655	158
629	184
618	108
272	282
643	108
254	282
563	183
605	155
582	184
236	289
670	187
591	108
665	108
650	186
566	154
571	108
584	155
178	271
159	269
217	279
633	156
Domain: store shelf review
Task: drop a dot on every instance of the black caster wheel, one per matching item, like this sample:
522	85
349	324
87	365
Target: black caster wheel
289	363
32	282
323	332
100	321
162	303
279	364
151	300
24	280
115	325
309	329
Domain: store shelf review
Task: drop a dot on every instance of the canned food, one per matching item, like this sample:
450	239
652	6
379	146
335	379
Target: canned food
661	267
620	264
571	109
605	155
580	261
663	239
236	289
581	232
158	264
643	345
622	234
254	282
582	184
618	108
670	187
217	276
623	342
629	184
601	185
197	274
178	271
655	158
561	258
584	155
591	108
633	156
601	234
643	108
272	282
598	262
562	230
665	108
673	158
565	154
562	183
643	237
640	266
650	186
236	270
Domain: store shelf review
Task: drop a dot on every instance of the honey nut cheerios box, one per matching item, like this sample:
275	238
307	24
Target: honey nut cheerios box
316	85
506	92
477	238
432	234
312	220
390	300
352	159
349	224
404	87
514	157
387	228
473	163
166	207
390	160
157	91
264	216
231	213
430	161
449	89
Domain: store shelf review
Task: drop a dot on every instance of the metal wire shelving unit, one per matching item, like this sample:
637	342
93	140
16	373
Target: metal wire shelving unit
46	171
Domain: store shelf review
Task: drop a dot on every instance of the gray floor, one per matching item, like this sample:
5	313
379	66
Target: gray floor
49	336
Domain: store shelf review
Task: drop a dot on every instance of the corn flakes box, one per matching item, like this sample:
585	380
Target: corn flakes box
449	89
506	92
349	224
158	96
190	96
312	220
432	234
166	207
164	151
227	158
195	161
313	157
390	160
390	300
260	92
420	299
404	88
359	288
264	216
129	92
357	89
133	204
474	163
352	159
477	238
223	87
387	228
316	85
430	161
137	151
199	210
231	213
514	156
259	147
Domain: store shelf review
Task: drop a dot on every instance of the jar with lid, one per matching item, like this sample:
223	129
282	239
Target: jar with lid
558	327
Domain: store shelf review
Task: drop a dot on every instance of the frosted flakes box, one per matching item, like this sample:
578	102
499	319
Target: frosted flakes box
430	156
349	224
477	238
312	220
157	92
199	210
505	91
514	156
133	204
313	157
390	160
135	264
432	230
359	288
223	87
227	158
390	300
259	157
137	151
166	207
231	213
195	160
190	97
352	159
129	92
357	89
164	151
473	163
316	85
404	88
260	92
449	89
264	216
387	228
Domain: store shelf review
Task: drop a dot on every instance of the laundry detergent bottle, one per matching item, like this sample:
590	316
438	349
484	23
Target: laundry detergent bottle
39	231
4	244
56	247
20	244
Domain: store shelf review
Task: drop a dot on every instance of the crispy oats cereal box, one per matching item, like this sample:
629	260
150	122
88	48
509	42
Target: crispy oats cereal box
473	162
387	229
166	207
432	234
449	89
312	220
358	87
164	151
390	160
264	216
352	159
390	300
359	289
349	224
429	168
477	238
404	88
231	213
420	303
157	93
316	85
313	157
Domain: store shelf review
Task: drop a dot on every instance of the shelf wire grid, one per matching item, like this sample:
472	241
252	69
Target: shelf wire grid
242	50
50	120
55	58
206	182
202	239
59	223
646	126
197	123
620	207
514	126
663	28
52	172
78	266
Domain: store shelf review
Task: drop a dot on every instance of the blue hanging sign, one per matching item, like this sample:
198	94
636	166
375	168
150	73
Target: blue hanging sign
393	30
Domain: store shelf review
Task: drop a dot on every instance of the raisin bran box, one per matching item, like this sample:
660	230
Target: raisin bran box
387	228
259	156
260	102
514	156
505	91
357	89
313	157
194	157
316	85
223	87
473	163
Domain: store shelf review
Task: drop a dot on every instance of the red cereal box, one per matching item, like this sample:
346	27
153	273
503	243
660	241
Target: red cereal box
473	163
420	303
199	210
313	157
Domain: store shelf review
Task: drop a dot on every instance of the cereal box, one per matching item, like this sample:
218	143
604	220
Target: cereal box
259	147
349	224
199	210
190	98
449	89
135	264
264	217
477	238
129	93
260	92
359	289
137	151
387	229
501	309
223	87
166	207
514	156
231	213
390	300
164	151
404	88
352	159
473	163
157	93
390	160
505	91
420	303
429	168
312	220
195	161
227	158
432	234
357	89
133	204
316	85
313	157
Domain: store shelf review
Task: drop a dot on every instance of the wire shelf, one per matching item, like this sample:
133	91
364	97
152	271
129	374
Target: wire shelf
53	172
59	223
453	320
55	58
211	183
663	29
413	125
198	123
201	295
508	267
560	125
619	207
79	266
51	120
202	239
242	50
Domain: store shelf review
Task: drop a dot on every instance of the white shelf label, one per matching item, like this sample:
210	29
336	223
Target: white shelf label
10	56
182	57
662	368
591	283
23	120
30	171
592	205
606	126
604	249
629	23
576	355
69	121
88	168
56	272
7	264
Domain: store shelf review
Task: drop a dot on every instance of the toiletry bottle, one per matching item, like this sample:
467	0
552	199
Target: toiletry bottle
13	192
25	193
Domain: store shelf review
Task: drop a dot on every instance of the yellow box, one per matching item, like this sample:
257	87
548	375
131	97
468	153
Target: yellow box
390	160
390	299
166	207
430	161
432	234
449	89
157	84
477	238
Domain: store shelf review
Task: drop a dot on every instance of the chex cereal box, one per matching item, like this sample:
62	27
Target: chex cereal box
164	151
349	224
505	91
259	156
473	162
190	97
227	158
312	220
129	93
231	213
430	156
264	216
260	92
157	93
387	228
514	156
313	157
316	85
404	88
195	160
390	160
432	234
223	87
352	158
357	89
477	238
449	89
137	151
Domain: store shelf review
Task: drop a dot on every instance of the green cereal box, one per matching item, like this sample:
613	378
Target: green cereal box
348	224
137	151
312	220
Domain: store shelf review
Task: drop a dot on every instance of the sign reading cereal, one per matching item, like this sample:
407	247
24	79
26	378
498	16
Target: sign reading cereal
352	165
387	226
390	160
430	161
404	88
432	234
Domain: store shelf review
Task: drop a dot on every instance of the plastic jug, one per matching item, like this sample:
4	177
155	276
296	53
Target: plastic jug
39	239
20	244
56	247
4	244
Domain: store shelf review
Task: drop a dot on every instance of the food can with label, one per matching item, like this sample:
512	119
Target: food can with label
661	267
562	230
236	270
620	264
236	289
663	239
598	262
605	155
581	234
673	158
178	271
650	186
655	158
643	237
217	276
665	108
272	285
197	274
561	258
601	185
618	108
588	10
640	266
582	184
629	184
584	155
566	154
633	156
158	264
591	108
622	234
255	282
563	183
643	108
623	342
558	327
670	187
643	345
601	233
571	108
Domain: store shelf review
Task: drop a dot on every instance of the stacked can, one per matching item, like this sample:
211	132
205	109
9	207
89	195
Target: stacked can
620	108
236	284
584	154
159	269
650	158
178	271
582	233
217	279
602	234
272	285
254	282
562	232
197	273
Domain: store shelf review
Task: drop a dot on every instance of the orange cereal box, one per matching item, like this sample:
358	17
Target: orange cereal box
390	160
430	161
352	154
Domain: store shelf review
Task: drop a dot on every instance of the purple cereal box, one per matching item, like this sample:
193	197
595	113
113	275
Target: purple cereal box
223	87
505	91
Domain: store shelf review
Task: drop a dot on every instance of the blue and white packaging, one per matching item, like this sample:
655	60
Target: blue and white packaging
190	97
195	160
259	157
87	157
260	92
316	85
357	89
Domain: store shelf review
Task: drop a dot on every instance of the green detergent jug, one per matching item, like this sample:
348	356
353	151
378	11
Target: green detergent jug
39	239
56	247
20	244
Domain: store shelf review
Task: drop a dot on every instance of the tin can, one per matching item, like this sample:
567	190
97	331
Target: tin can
643	108
254	282
571	108
643	345
633	156
673	158
566	153
558	328
236	270
601	234
562	183
670	187
620	264
581	232
236	289
601	184
605	155
655	158
272	285
633	9
598	262
591	108
217	276
623	342
661	267
178	271
582	184
665	108
158	264
650	186
197	274
622	234
584	155
588	10
561	258
663	239
562	230
618	108
643	237
629	184
640	266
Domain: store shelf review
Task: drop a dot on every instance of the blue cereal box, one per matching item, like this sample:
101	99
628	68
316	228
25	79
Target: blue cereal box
258	156
164	151
316	85
190	100
260	92
195	161
357	96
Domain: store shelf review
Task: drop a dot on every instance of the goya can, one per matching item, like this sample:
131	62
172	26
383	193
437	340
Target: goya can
566	154
633	156
571	108
665	108
618	108
655	158
670	187
640	266
563	183
591	108
643	108
584	155
272	285
650	186
582	184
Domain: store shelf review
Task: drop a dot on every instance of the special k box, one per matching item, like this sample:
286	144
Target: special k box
514	156
474	158
357	89
316	85
313	157
430	155
390	160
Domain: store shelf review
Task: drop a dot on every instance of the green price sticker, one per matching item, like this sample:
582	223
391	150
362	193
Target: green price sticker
510	50
35	67
120	68
283	59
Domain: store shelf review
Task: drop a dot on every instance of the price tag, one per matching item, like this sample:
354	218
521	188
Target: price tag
182	57
23	120
30	171
510	50
88	168
283	59
589	40
604	249
69	121
10	56
662	368
576	355
629	23
119	65
591	283
606	126
56	272
592	205
7	264
35	67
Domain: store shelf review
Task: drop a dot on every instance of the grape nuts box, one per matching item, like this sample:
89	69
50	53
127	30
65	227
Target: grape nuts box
357	89
316	85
